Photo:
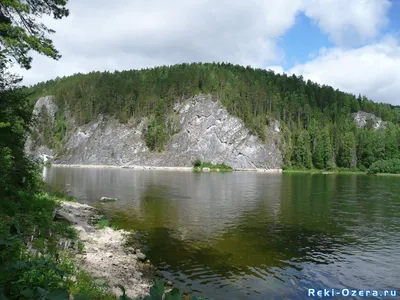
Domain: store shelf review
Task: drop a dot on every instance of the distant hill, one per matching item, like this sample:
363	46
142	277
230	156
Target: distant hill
317	128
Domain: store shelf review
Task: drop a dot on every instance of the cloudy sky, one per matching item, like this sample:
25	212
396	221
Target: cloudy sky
353	45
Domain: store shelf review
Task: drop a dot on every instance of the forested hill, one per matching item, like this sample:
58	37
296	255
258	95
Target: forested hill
318	129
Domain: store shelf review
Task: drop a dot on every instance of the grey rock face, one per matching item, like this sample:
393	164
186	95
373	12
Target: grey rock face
362	118
48	103
208	132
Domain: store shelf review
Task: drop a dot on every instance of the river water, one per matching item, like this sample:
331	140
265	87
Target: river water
246	235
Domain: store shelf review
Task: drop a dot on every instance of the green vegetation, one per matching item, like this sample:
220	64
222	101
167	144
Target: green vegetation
198	165
36	253
35	263
317	128
102	223
158	292
160	128
321	171
20	32
17	172
385	166
61	196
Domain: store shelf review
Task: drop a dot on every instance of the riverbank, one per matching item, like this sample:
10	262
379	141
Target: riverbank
326	172
191	169
186	169
54	249
346	172
104	255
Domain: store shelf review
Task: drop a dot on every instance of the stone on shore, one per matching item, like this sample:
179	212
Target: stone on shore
105	257
107	199
141	256
60	215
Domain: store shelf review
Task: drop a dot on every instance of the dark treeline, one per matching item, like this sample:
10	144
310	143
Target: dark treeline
318	130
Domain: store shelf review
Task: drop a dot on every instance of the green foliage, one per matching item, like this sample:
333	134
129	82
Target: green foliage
198	165
81	247
59	129
157	292
347	150
328	150
315	119
20	31
85	287
33	265
60	196
385	166
17	171
302	150
102	223
160	127
155	135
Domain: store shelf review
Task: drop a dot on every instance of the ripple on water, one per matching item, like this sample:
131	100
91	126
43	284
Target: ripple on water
247	235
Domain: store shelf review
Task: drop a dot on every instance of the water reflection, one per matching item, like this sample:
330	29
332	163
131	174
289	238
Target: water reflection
246	234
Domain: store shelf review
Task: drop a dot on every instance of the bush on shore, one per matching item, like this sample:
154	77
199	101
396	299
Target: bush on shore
37	253
385	166
198	165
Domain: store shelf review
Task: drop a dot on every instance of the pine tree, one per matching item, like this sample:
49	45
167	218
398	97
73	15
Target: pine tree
347	151
302	150
328	149
319	150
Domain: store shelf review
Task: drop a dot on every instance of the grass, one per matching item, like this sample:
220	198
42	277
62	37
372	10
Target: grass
81	247
34	263
198	166
387	174
102	223
59	196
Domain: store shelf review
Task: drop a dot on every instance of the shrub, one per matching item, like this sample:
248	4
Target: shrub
197	163
102	223
385	166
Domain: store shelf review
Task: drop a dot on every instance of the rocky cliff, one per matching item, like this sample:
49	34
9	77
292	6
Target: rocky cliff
364	119
207	132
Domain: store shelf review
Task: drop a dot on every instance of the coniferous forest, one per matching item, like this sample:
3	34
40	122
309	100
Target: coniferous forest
318	130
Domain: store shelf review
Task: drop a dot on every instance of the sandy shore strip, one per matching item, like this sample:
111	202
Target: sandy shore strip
104	255
133	167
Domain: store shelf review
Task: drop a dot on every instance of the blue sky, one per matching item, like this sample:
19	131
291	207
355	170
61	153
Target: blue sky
305	38
352	45
301	41
394	18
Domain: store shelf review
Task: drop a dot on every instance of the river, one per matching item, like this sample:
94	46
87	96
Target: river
247	235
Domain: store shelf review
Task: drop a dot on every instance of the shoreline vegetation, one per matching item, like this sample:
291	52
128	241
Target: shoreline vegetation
199	166
38	252
376	169
384	167
55	248
325	172
134	167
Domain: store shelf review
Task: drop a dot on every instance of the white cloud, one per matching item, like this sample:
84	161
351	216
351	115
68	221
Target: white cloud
372	70
349	22
118	35
276	69
134	34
